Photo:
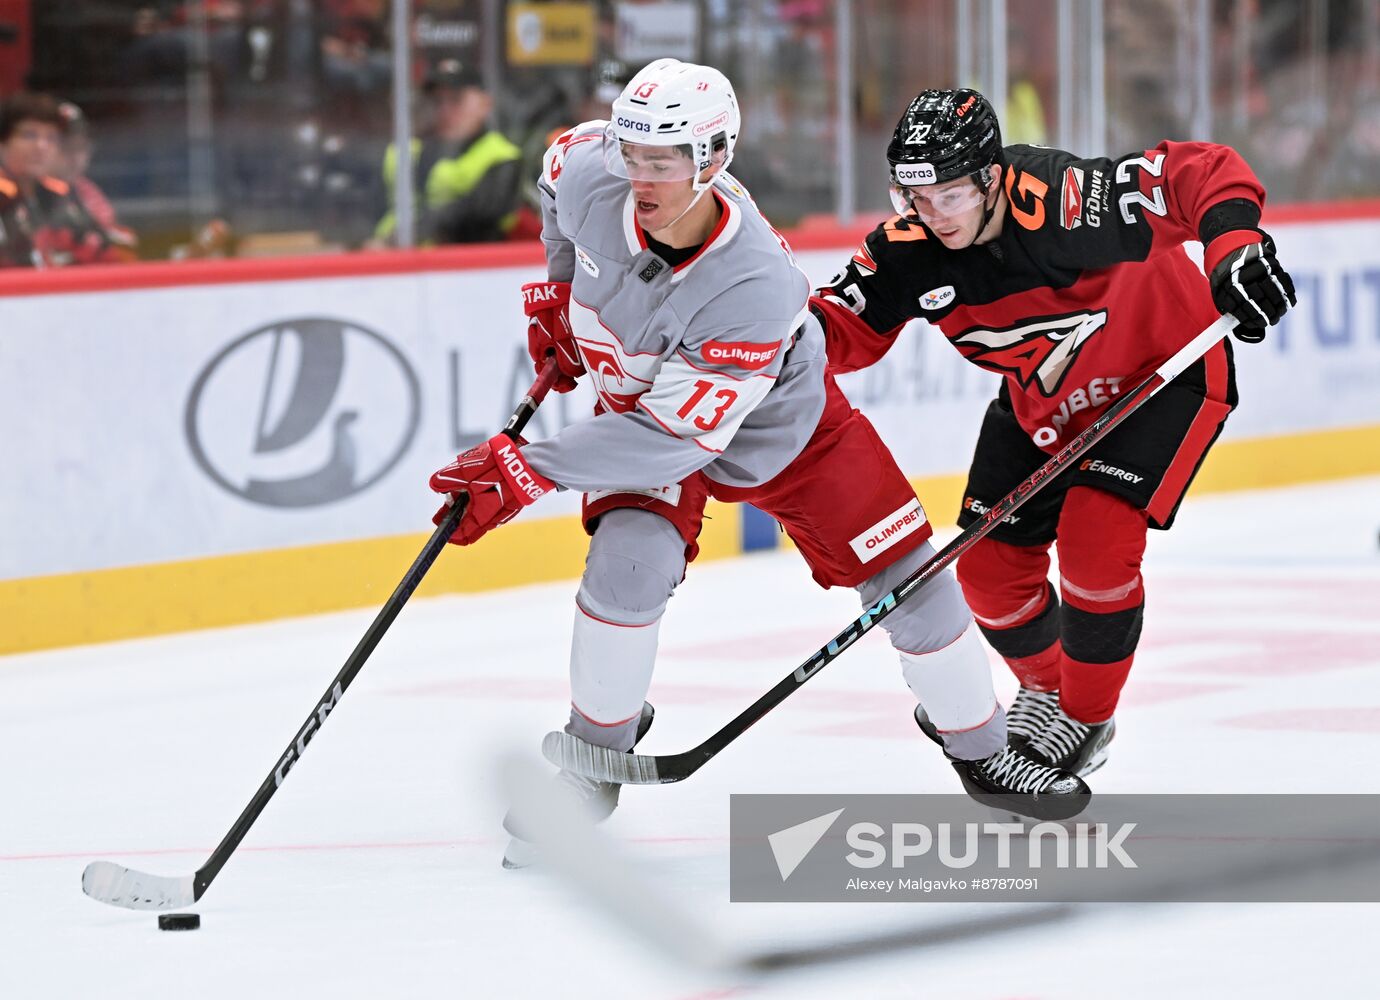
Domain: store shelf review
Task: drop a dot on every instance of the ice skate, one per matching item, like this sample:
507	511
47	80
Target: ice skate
1070	745
1029	714
599	799
1015	784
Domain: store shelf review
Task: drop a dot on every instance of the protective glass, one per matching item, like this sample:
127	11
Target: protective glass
637	162
931	205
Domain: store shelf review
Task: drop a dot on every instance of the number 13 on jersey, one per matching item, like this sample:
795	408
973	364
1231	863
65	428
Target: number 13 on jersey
715	407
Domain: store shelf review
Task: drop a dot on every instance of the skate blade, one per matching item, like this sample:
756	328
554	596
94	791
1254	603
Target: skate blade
1094	763
519	854
1086	820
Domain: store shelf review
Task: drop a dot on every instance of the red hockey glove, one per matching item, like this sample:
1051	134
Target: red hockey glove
499	483
547	305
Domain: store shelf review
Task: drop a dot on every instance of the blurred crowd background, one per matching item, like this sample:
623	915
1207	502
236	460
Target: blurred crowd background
178	128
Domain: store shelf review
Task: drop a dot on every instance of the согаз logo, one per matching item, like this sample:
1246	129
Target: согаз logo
302	412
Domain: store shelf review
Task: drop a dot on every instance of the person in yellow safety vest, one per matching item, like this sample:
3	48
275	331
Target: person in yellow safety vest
465	173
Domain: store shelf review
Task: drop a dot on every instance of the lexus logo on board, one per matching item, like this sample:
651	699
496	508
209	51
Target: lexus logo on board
302	412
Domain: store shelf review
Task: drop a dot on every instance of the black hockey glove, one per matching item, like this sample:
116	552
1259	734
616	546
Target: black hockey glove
1250	284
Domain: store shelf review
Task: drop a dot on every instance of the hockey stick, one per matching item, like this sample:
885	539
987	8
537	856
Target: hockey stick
110	883
574	754
642	907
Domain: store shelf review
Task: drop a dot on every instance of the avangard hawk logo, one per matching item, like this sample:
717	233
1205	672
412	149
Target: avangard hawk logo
1038	352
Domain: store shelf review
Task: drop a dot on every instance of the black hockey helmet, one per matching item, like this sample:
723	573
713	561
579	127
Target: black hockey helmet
942	136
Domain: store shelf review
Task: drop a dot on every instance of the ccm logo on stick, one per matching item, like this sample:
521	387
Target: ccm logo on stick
749	356
888	531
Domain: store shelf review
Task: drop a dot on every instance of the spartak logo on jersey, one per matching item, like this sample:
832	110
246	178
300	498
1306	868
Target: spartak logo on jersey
1038	352
1071	201
609	375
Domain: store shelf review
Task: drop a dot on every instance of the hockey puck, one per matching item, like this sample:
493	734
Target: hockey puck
179	921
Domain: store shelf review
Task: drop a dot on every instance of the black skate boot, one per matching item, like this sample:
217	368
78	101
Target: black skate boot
1029	714
1012	783
1070	745
600	799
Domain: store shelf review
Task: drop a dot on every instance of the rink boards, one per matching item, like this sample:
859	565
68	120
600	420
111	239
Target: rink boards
209	443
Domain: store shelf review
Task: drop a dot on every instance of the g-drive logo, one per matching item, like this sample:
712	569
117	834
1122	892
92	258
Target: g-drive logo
302	412
956	845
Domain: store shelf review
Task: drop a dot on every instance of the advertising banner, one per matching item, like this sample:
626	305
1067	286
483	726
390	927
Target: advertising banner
153	424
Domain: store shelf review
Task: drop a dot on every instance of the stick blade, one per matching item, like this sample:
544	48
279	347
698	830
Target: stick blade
570	753
603	877
107	882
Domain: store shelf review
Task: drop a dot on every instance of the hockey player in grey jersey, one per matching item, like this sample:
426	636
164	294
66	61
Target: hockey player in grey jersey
686	310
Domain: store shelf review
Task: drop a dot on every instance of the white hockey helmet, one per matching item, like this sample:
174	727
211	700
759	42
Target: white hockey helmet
670	103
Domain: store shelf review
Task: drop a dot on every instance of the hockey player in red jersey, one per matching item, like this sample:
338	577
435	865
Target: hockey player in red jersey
686	312
1068	276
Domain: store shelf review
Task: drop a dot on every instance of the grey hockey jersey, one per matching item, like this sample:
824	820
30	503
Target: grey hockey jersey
714	364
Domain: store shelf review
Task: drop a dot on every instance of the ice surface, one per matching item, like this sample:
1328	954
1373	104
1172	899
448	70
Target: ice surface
375	870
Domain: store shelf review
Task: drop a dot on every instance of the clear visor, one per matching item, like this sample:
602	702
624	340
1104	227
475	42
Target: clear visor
637	162
932	205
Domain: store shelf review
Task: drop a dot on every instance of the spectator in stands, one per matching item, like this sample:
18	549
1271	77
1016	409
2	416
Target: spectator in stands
41	223
74	158
609	78
355	58
466	173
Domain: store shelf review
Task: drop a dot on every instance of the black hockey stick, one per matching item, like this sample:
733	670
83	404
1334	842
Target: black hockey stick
574	754
119	886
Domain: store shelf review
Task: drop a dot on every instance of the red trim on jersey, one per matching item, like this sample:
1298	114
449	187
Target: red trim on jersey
724	209
712	451
1199	438
1217	250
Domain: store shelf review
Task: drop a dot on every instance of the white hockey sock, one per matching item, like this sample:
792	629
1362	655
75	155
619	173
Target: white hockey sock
954	684
610	671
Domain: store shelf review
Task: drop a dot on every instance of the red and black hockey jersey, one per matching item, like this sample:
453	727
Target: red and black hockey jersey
1084	293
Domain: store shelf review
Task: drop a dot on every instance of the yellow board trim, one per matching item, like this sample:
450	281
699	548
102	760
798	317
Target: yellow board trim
133	601
1250	464
129	602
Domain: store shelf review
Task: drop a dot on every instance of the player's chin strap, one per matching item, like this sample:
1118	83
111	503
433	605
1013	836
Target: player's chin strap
988	209
700	189
693	202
